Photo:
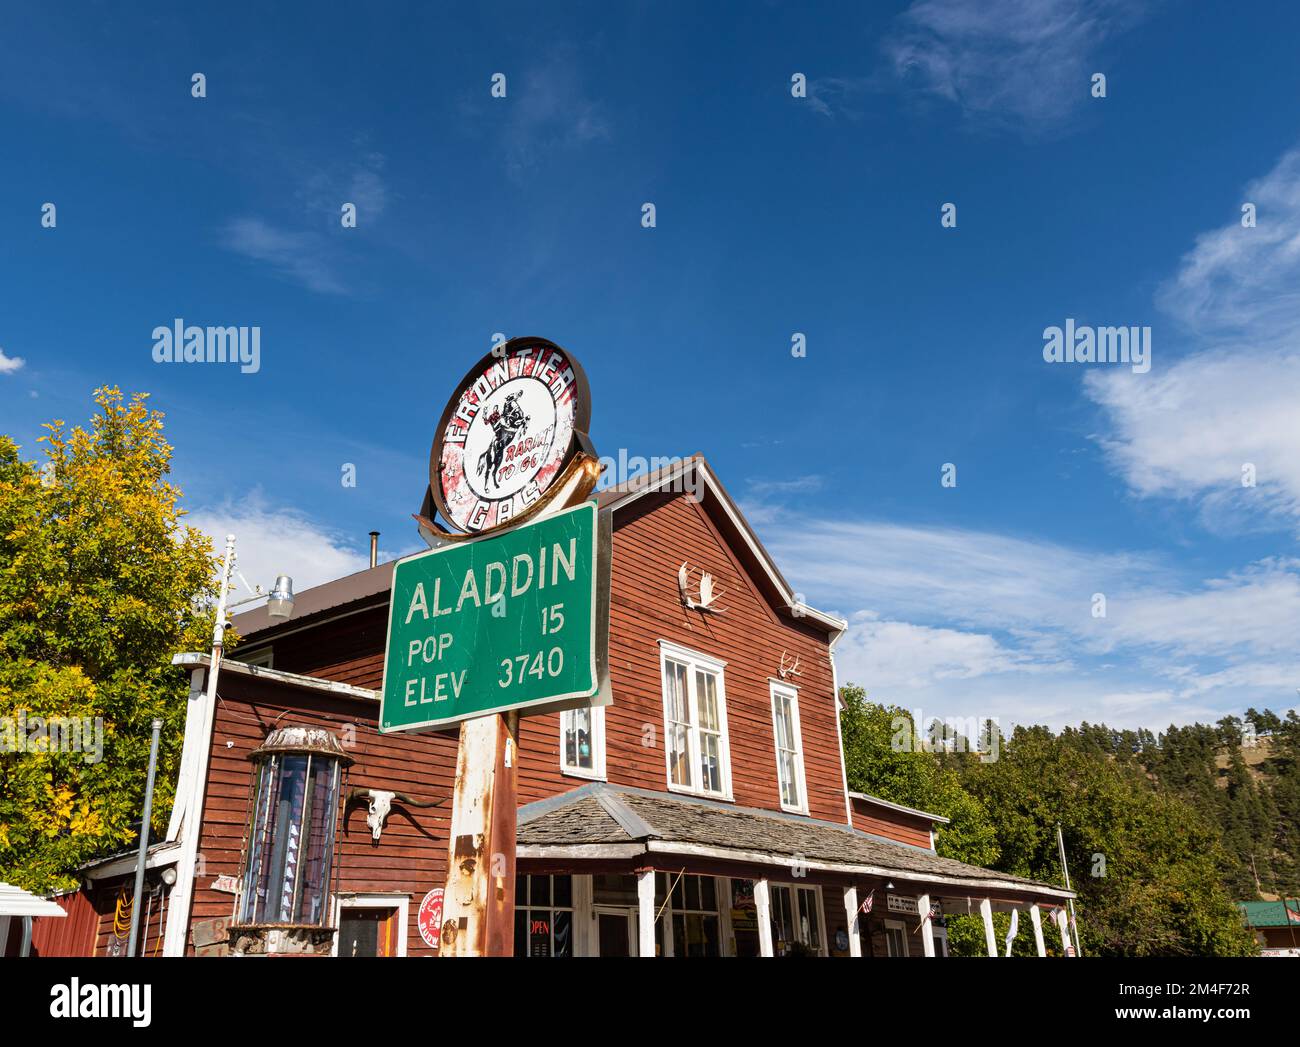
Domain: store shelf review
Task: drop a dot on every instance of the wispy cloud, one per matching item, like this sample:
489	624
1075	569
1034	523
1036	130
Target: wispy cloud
10	364
1196	426
547	109
299	255
1024	62
982	621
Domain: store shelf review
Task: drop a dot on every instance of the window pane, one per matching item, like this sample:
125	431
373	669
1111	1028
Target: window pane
784	726
679	758
539	890
677	710
706	685
613	889
711	762
563	933
708	893
521	932
578	739
692	884
562	887
789	780
539	932
809	925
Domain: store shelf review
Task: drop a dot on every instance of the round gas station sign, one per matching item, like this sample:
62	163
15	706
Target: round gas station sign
507	434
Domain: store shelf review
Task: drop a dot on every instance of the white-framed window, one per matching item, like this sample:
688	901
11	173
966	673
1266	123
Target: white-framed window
895	938
796	919
789	748
695	722
582	742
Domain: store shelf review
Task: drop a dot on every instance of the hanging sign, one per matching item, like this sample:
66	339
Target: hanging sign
512	433
900	903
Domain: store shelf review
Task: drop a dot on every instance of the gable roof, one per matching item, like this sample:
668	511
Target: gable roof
603	814
370	588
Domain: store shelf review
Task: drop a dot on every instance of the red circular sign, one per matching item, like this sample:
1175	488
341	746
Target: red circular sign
507	433
429	919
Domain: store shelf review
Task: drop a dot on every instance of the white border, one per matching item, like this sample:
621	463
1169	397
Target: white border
694	659
791	692
400	902
549	700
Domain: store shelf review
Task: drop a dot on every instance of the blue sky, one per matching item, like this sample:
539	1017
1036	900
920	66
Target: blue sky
775	215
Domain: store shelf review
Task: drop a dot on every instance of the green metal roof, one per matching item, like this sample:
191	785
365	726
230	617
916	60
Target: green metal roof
1272	914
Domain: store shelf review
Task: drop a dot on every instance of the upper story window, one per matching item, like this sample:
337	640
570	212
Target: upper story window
695	722
582	742
789	748
291	829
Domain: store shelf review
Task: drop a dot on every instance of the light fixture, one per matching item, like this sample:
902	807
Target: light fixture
280	603
889	886
168	876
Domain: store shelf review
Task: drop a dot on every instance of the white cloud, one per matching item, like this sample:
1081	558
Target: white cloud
10	364
1024	61
1187	429
299	255
965	622
271	541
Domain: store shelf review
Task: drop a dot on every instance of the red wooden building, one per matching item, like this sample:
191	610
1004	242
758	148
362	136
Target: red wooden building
704	812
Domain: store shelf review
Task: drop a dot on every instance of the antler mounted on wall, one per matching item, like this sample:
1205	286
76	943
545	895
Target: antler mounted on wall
707	594
789	667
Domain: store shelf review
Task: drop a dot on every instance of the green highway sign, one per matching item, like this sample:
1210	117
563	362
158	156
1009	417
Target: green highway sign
503	622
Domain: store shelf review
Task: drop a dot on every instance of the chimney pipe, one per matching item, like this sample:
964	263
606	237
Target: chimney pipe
374	548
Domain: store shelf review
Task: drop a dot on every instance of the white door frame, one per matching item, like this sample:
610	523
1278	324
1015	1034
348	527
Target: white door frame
628	911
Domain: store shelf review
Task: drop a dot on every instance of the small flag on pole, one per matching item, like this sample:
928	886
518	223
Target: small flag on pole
866	902
1015	928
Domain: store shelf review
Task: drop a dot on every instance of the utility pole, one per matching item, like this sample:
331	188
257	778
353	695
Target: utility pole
144	839
1065	868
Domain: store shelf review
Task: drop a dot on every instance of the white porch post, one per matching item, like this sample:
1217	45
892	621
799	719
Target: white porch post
645	896
927	926
1035	917
986	914
763	913
1063	925
851	914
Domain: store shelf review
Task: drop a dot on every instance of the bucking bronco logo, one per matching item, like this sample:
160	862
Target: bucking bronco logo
507	422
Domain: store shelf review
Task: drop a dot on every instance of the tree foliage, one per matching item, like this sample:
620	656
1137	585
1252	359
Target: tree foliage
100	585
1148	864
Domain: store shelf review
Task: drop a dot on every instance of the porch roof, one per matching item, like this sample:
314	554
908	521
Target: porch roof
602	820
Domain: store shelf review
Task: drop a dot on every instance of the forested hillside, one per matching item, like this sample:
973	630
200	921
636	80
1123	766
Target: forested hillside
1162	832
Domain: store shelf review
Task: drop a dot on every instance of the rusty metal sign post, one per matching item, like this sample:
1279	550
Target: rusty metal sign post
511	449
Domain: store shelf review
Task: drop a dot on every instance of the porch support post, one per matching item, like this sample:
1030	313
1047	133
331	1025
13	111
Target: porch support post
927	926
986	914
1063	925
1035	917
645	896
851	914
763	913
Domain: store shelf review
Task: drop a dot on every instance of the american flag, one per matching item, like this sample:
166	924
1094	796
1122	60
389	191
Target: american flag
1291	914
866	903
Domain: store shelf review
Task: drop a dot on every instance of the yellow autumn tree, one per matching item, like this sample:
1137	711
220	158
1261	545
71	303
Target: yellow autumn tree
100	584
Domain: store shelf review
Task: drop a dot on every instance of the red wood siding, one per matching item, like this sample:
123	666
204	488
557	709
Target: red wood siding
893	825
411	855
650	542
